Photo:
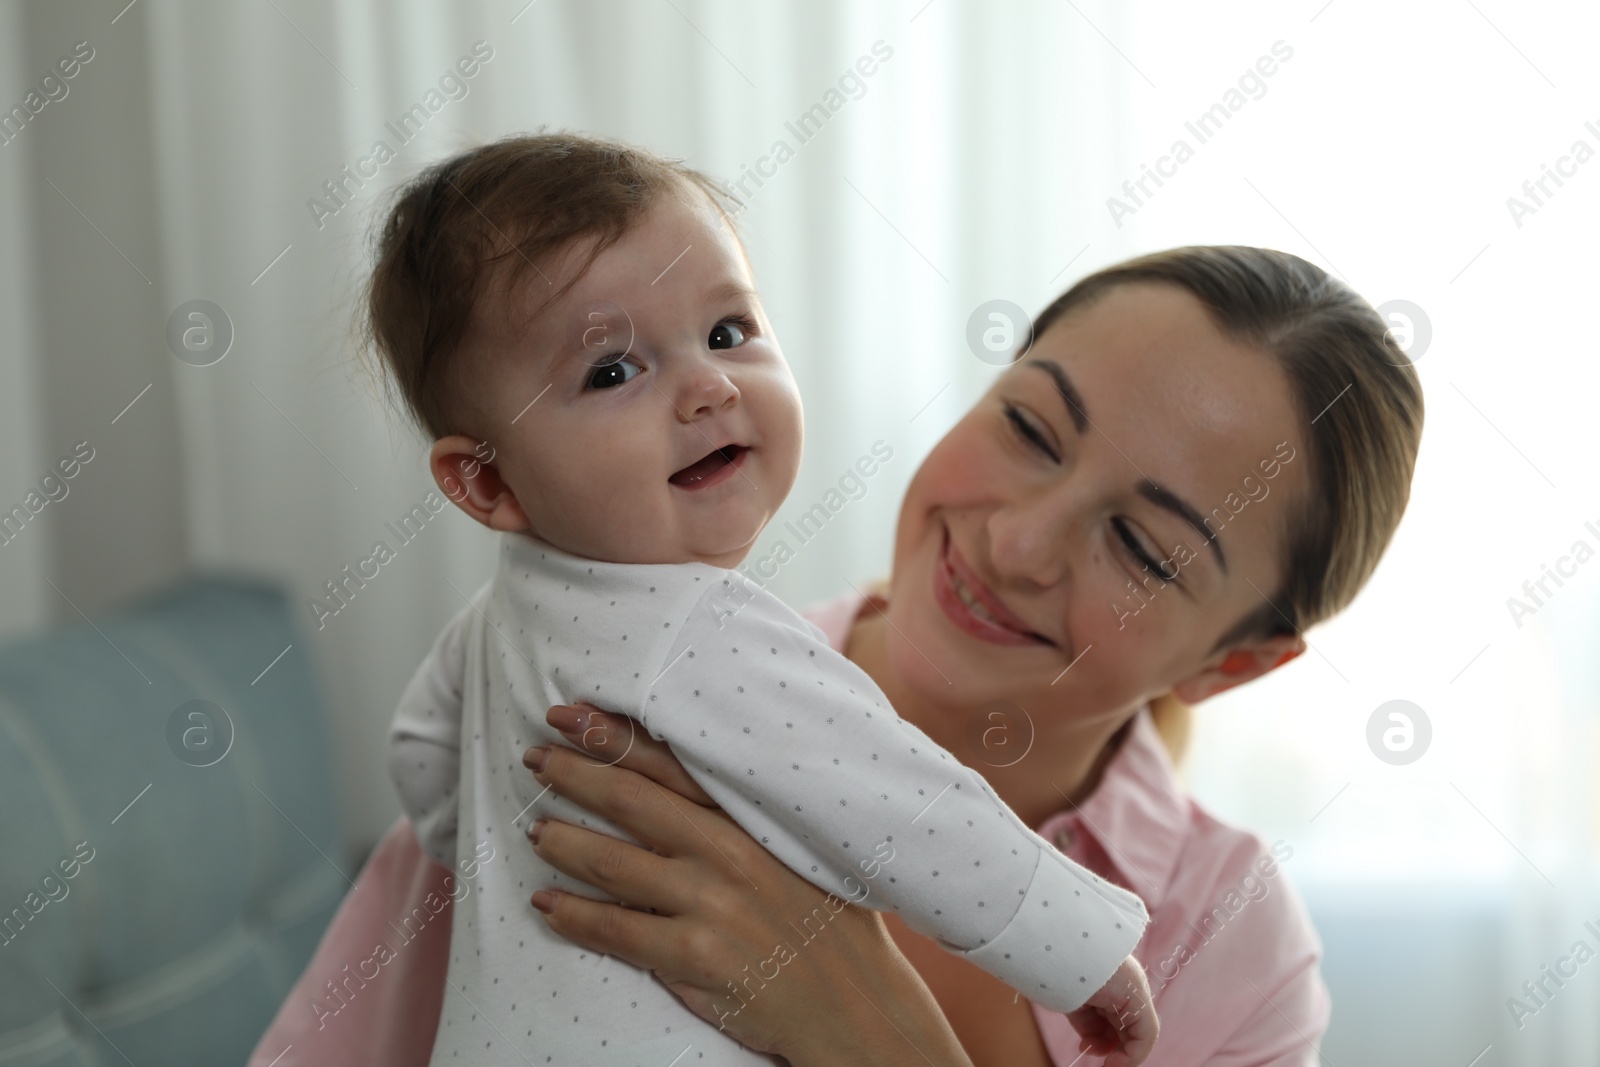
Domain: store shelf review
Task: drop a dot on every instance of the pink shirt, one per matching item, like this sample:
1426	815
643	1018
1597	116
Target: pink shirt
1231	954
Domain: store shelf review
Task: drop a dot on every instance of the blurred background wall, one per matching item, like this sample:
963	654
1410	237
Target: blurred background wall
984	157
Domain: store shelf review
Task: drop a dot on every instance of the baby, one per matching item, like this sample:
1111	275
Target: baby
575	324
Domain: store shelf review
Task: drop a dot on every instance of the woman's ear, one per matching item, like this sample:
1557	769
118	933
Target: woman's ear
1242	664
465	472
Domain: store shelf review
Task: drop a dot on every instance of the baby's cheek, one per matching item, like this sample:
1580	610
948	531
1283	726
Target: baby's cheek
781	425
585	510
788	461
631	504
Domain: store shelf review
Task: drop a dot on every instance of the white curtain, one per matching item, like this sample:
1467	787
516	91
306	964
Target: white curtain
1386	149
22	559
963	168
977	161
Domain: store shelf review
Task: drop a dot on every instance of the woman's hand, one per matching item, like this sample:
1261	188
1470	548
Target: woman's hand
717	918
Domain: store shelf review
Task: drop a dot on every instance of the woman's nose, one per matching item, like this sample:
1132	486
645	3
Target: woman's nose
1027	543
703	390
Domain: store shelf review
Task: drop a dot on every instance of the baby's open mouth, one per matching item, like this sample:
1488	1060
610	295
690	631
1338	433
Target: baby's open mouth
709	469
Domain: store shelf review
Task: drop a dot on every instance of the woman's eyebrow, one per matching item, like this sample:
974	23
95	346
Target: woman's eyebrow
1162	497
1159	495
1069	393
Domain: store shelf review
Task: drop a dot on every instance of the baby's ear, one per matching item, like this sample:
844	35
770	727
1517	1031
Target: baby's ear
464	471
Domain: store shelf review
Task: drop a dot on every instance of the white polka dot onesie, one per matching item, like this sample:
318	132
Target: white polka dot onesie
795	743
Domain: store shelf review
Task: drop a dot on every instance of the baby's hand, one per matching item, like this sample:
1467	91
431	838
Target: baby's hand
1119	1021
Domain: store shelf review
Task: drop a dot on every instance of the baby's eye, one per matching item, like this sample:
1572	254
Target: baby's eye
729	333
613	374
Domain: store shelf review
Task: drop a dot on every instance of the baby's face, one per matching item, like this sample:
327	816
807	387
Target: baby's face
647	416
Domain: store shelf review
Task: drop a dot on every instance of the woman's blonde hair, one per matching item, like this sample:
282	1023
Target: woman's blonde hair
1360	403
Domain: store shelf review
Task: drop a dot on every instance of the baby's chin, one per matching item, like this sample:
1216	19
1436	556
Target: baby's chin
724	548
667	529
724	544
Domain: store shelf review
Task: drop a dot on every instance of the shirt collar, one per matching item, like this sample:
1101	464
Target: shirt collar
1138	814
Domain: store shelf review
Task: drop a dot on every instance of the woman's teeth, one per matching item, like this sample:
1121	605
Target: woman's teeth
972	603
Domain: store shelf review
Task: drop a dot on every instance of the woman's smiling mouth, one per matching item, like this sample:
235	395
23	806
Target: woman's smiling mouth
973	607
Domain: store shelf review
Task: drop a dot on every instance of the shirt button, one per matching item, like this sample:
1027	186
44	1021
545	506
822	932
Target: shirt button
1065	838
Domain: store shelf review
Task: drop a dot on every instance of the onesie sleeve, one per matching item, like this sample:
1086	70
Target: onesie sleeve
802	749
425	739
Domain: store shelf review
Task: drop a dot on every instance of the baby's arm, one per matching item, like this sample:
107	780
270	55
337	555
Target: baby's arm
801	748
425	741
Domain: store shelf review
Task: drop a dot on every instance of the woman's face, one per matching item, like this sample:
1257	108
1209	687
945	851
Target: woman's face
1132	443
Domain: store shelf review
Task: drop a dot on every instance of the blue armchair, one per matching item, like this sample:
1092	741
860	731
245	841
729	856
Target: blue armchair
167	868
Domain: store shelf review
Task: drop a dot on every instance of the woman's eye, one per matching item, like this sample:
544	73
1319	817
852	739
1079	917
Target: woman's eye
613	374
729	333
1141	555
1031	433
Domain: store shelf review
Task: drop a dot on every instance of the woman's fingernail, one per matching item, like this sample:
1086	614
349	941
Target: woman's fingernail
545	901
567	719
534	758
536	829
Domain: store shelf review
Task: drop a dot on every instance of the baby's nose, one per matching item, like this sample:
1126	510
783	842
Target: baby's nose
705	391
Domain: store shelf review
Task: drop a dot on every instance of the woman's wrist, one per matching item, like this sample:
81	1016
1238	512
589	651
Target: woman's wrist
884	1014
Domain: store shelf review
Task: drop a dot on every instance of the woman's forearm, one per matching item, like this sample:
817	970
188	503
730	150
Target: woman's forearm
901	1033
883	1014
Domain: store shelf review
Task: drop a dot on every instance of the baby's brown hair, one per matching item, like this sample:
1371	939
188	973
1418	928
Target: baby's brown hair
482	221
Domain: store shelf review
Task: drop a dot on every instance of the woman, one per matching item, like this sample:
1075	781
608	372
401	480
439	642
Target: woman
1203	452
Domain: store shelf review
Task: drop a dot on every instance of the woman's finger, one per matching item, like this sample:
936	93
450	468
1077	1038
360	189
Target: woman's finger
622	742
620	868
632	801
622	932
655	944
